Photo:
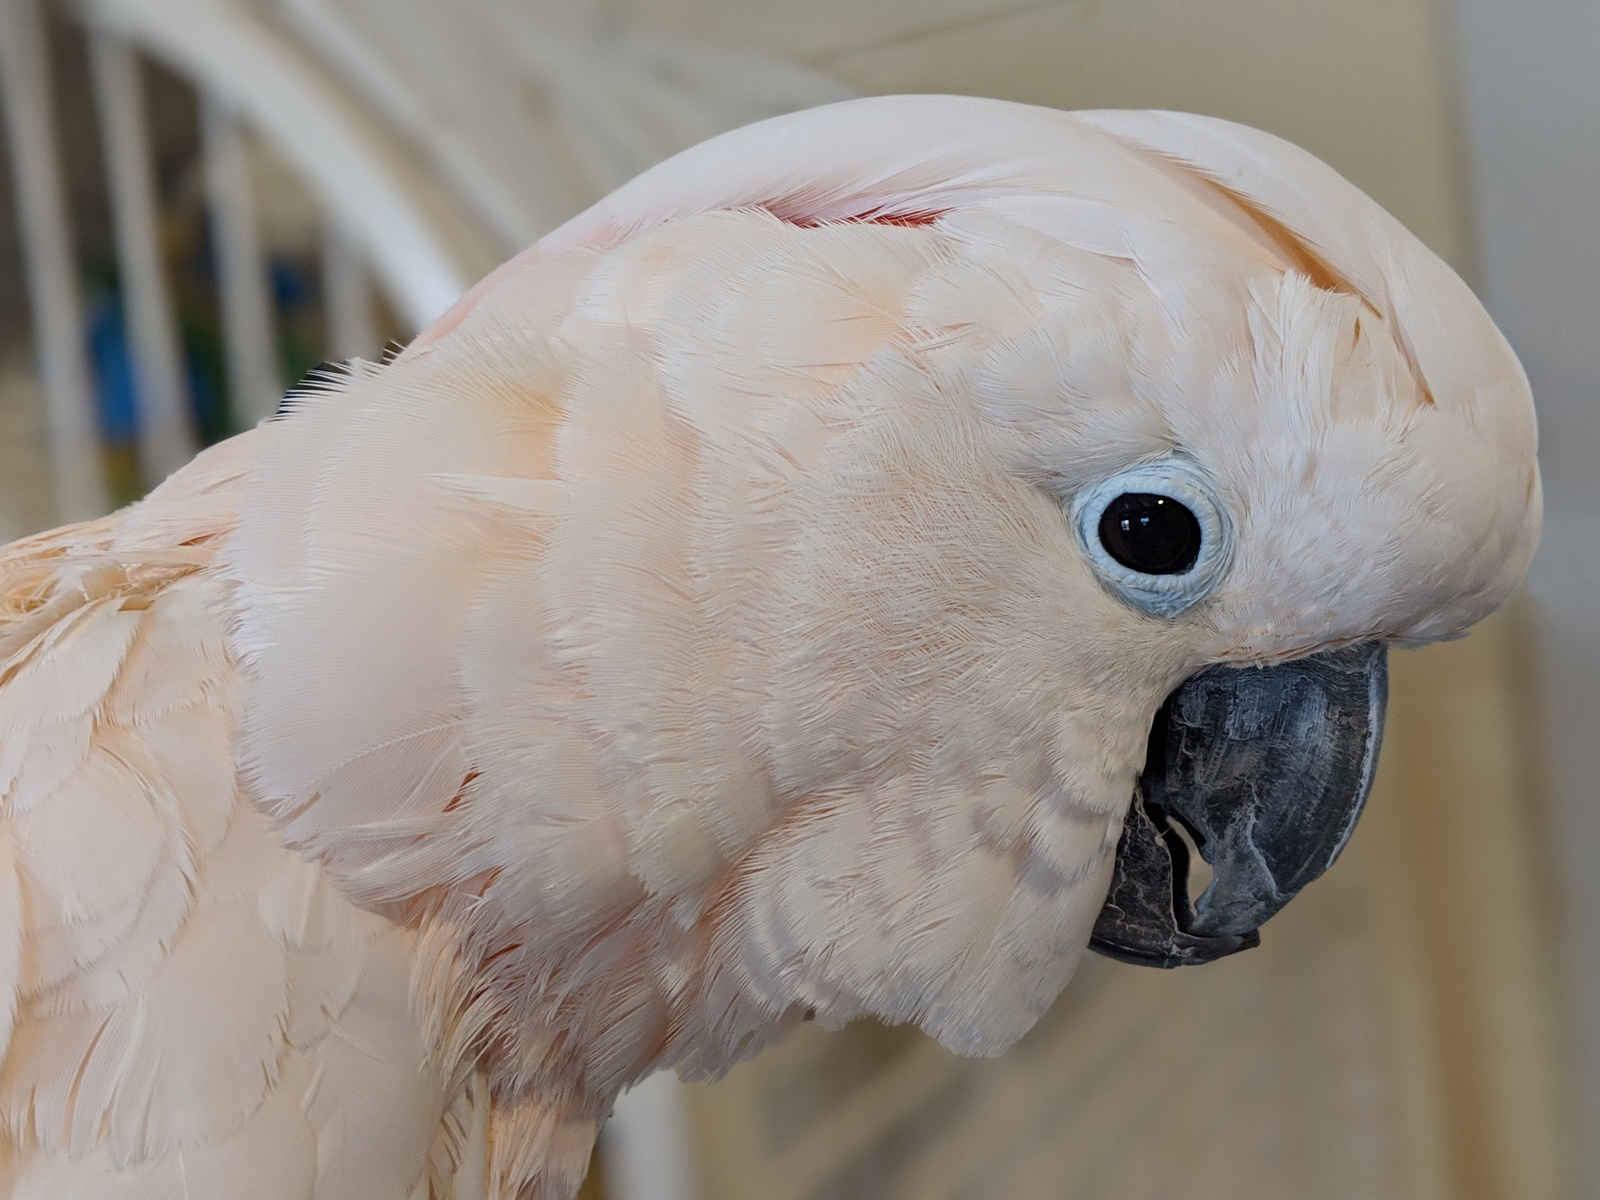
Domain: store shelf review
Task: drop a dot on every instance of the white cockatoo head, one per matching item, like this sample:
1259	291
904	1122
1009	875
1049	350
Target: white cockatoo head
759	597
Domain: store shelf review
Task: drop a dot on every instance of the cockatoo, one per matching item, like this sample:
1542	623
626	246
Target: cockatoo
833	575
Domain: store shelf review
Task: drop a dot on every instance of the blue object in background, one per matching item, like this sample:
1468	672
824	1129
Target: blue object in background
116	403
111	358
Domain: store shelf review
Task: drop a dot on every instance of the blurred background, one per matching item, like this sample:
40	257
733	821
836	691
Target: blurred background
205	198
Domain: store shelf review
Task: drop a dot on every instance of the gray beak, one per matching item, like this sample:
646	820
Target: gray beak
1265	770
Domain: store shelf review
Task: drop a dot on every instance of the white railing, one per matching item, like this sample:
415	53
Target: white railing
436	138
80	486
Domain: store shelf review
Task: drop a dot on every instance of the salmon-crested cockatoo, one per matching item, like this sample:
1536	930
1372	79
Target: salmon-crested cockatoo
839	573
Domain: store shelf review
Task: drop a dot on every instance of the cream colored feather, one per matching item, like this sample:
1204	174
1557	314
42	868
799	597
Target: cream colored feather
687	633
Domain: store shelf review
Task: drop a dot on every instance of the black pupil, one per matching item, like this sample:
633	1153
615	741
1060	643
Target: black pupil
1152	534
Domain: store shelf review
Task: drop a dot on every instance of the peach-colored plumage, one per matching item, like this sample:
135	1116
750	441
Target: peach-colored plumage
687	633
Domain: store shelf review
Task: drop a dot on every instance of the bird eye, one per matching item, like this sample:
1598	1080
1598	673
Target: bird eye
1155	534
1149	533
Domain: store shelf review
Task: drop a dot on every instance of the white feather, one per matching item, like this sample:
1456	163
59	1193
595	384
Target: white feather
688	631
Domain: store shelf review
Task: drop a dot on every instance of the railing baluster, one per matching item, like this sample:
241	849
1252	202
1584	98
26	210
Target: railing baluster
248	329
80	482
346	296
166	438
646	1146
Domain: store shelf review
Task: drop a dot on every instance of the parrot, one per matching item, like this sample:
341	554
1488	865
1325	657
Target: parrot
851	570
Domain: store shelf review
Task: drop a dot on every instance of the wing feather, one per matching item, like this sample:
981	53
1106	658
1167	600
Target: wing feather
187	1007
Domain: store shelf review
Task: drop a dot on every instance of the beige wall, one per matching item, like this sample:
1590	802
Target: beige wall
1358	82
1362	83
1532	101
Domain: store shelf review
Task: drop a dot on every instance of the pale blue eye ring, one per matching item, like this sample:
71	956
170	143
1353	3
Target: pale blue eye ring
1160	595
